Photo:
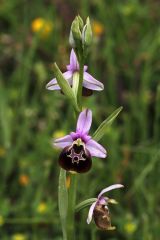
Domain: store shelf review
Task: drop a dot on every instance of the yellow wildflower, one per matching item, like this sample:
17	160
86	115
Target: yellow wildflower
97	28
59	134
42	26
19	236
23	180
2	152
42	207
130	227
1	220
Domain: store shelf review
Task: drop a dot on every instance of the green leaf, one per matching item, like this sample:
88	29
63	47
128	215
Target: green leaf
64	85
63	201
85	204
106	123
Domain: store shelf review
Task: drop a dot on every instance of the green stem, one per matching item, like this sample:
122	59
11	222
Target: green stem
71	207
70	196
81	67
72	190
63	201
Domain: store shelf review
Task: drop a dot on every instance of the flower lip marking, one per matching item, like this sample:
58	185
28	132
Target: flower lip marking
76	157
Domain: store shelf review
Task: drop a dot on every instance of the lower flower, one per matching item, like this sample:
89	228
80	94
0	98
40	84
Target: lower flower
79	147
99	209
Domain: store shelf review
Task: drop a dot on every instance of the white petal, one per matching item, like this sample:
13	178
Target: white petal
91	83
84	121
73	61
53	85
63	142
96	149
115	186
90	213
68	76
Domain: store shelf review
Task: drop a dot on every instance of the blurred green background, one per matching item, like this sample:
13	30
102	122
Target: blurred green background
125	57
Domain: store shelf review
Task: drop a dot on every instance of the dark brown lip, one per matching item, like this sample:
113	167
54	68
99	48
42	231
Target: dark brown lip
86	92
101	217
75	158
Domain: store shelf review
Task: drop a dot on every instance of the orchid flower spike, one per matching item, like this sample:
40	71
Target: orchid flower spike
90	84
78	147
99	209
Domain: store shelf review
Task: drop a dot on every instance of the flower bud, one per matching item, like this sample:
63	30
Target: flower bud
75	29
87	33
81	24
80	36
71	40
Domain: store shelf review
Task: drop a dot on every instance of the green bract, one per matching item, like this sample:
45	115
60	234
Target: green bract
99	133
85	204
67	90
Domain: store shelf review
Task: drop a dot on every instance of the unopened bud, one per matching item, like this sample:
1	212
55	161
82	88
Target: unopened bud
81	24
71	40
76	29
87	33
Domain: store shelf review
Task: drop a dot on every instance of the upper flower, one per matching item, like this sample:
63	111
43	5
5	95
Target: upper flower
79	147
99	209
89	82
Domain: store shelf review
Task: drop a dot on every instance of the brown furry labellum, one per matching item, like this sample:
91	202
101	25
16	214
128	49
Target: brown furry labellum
102	218
75	159
86	92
